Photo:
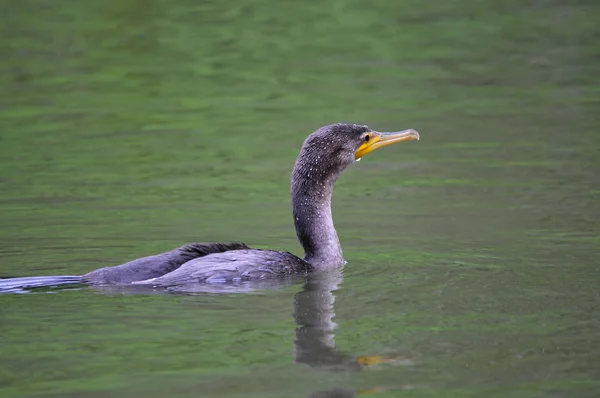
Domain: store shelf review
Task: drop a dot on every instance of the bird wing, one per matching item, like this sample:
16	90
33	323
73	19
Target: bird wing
232	266
157	265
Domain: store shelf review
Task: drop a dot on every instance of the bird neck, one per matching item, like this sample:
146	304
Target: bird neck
312	190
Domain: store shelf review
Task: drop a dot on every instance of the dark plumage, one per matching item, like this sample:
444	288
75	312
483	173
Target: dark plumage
157	265
234	266
324	155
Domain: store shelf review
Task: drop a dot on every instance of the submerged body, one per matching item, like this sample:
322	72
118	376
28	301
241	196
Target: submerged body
234	266
202	263
323	157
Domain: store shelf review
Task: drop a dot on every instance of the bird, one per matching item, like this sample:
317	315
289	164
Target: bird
325	154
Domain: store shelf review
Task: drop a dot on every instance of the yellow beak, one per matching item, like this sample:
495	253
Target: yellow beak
379	140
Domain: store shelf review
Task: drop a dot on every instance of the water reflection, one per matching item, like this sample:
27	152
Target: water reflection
315	332
314	314
314	344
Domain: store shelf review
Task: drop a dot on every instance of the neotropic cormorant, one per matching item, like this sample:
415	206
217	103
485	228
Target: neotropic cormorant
324	155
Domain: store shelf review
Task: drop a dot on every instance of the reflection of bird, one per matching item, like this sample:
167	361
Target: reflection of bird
324	155
314	343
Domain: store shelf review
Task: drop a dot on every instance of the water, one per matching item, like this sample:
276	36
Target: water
131	127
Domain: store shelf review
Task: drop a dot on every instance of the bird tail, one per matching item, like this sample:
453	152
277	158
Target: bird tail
22	285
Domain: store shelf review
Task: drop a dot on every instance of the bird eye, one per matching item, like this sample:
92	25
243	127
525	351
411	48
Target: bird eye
367	137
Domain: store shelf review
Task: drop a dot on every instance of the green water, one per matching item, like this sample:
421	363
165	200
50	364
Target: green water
130	127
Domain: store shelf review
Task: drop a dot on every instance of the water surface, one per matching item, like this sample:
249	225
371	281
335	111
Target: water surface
130	127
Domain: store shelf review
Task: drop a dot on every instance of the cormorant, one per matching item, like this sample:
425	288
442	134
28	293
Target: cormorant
324	155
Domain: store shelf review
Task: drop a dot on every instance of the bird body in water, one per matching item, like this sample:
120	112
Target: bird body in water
323	157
